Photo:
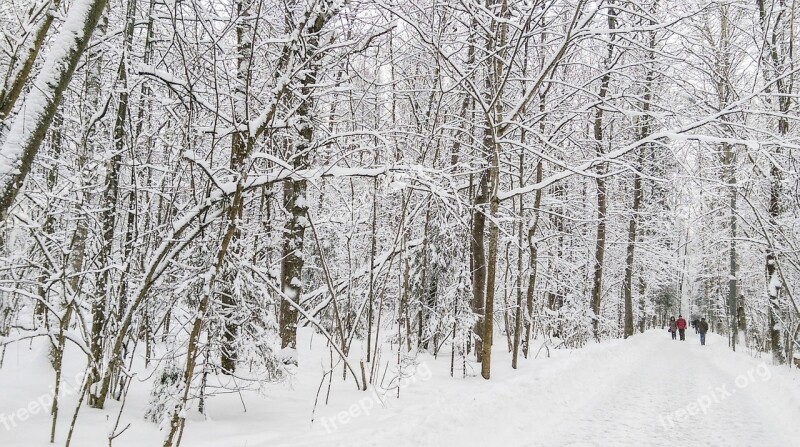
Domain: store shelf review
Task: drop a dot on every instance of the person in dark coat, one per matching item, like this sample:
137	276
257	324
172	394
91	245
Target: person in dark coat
702	327
673	328
681	323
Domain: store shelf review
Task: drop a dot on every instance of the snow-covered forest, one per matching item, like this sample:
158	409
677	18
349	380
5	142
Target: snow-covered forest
256	210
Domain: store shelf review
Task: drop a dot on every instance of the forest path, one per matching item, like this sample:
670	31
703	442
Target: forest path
677	392
645	391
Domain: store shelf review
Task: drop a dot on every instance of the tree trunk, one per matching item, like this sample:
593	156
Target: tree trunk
628	280
294	192
478	252
492	145
36	114
518	310
533	260
644	132
12	88
241	145
108	217
56	142
178	416
600	237
778	63
294	199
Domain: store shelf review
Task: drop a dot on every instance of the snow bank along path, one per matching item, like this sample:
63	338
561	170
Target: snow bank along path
645	391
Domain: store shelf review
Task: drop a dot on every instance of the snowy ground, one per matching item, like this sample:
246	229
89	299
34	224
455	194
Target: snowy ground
646	391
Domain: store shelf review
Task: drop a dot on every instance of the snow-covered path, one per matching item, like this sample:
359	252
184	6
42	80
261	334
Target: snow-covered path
672	392
646	391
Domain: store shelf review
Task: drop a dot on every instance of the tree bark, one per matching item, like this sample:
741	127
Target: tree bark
294	193
108	216
241	144
12	89
777	61
294	196
632	223
644	132
178	417
533	261
492	145
600	237
30	126
477	249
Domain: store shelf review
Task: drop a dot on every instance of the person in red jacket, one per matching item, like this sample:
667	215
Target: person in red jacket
681	324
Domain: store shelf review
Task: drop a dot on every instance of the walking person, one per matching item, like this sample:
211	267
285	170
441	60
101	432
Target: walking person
673	328
702	327
681	324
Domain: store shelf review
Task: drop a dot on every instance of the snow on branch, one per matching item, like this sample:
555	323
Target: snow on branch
437	182
364	270
36	113
679	134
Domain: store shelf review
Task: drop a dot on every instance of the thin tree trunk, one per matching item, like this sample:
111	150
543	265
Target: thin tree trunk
492	139
644	132
774	283
730	167
423	281
600	238
372	243
627	286
532	262
108	217
56	141
178	417
777	58
478	252
518	310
